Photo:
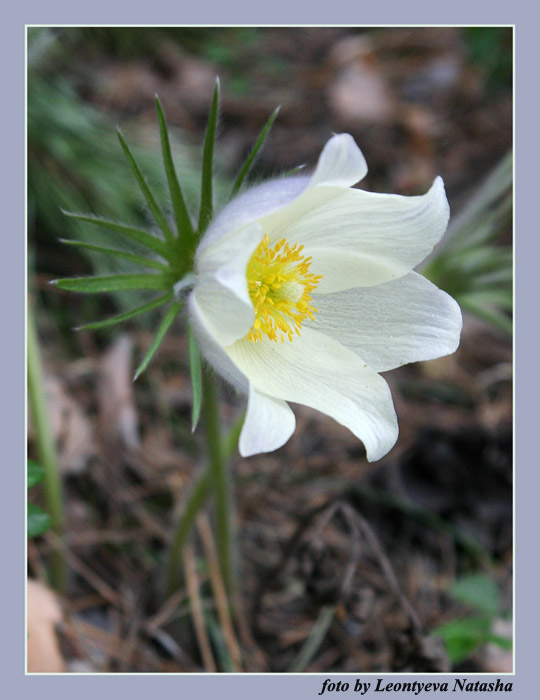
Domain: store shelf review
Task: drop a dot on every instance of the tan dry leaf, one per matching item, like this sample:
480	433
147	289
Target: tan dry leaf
44	614
359	92
118	414
71	428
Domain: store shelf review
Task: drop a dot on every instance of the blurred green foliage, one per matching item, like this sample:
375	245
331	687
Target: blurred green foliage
464	636
472	264
38	521
491	49
75	161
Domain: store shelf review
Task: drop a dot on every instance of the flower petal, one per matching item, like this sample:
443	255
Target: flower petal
251	206
317	371
268	425
221	288
341	163
380	236
406	320
212	352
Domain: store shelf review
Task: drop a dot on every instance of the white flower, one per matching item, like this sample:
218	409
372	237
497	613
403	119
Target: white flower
304	292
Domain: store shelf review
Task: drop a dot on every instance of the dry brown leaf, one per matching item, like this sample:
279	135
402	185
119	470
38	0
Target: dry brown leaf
44	614
71	428
118	415
359	91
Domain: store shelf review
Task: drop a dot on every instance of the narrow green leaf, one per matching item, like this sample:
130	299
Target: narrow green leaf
184	226
143	237
230	442
205	214
196	379
483	259
34	473
111	283
489	297
218	642
38	521
293	171
128	314
314	640
492	316
501	276
195	501
136	259
167	322
253	154
147	192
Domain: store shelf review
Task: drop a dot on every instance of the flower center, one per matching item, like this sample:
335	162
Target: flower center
280	286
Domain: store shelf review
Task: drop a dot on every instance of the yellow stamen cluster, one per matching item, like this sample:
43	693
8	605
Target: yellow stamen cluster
280	287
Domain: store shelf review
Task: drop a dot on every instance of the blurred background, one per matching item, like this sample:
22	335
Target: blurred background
423	538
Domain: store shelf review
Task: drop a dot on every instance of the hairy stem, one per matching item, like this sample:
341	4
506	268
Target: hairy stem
214	479
218	474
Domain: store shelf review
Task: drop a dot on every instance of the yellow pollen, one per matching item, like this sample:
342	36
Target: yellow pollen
280	286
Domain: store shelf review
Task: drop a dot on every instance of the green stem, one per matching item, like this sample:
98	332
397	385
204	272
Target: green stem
218	473
196	500
220	451
46	450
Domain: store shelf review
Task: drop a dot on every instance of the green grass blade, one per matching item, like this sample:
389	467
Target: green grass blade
119	318
196	379
314	640
136	259
498	277
205	214
182	530
230	440
294	171
111	283
147	192
167	322
254	152
491	297
184	226
143	237
493	316
223	655
483	259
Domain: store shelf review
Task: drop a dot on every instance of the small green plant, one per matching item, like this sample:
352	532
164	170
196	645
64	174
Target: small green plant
465	635
471	264
38	521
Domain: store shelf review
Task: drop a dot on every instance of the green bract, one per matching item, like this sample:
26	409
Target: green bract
168	254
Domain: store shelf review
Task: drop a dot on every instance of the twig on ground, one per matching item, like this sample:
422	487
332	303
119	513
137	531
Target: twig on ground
220	595
192	582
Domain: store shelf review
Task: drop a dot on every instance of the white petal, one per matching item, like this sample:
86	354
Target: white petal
221	286
317	371
268	425
251	206
389	325
357	230
212	352
341	163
